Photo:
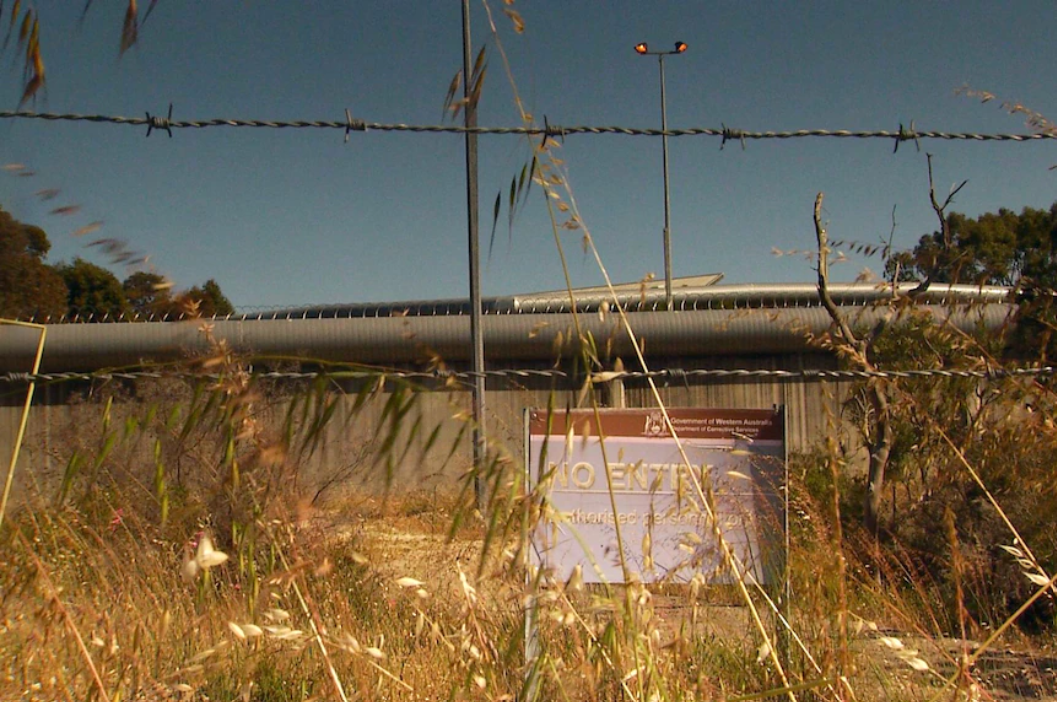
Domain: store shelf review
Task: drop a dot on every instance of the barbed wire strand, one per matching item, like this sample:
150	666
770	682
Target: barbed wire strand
349	124
446	309
522	374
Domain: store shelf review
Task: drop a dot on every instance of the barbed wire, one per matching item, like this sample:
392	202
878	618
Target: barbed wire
452	310
349	125
669	374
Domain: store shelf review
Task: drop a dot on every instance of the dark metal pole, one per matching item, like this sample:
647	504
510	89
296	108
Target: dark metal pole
667	197
470	113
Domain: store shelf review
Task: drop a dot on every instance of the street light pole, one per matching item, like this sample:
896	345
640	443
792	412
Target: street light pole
476	331
643	50
667	196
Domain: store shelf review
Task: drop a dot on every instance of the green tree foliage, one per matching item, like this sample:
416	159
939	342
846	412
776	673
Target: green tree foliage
148	294
1003	248
93	291
207	301
149	297
29	288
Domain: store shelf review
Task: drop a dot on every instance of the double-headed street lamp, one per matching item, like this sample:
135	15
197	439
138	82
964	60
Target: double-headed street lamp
643	50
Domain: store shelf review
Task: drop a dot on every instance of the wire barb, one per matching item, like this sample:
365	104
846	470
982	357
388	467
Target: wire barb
678	374
353	124
729	134
907	135
155	122
552	130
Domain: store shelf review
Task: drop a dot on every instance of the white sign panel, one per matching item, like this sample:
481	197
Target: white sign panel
626	473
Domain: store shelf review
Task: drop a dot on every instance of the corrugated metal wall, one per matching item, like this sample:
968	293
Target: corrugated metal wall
69	416
754	328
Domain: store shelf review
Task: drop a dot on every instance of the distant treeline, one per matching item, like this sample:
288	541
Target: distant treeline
30	288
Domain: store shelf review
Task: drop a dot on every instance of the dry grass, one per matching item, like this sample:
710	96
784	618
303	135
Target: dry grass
403	614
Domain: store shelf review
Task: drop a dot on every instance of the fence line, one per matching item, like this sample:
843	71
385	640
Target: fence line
670	374
349	125
444	309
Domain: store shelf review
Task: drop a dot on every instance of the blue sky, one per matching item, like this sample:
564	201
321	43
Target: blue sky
282	218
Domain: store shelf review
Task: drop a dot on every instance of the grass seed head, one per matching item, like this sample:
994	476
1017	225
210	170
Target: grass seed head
276	615
252	631
763	652
891	642
206	556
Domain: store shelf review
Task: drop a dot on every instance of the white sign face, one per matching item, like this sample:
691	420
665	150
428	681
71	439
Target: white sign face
626	473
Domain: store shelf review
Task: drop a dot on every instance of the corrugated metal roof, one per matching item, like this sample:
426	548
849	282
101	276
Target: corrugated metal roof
689	293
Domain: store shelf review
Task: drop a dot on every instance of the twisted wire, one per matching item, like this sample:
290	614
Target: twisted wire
521	374
155	122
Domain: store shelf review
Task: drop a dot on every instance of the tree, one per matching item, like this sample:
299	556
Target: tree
1003	248
29	288
206	301
935	258
149	297
148	294
94	292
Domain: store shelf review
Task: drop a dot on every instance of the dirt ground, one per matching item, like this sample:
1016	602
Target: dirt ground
1002	674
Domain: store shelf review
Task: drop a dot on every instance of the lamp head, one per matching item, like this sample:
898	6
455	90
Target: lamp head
680	47
641	48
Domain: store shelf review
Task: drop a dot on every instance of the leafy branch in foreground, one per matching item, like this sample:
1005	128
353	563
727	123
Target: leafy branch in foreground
28	45
27	19
1034	119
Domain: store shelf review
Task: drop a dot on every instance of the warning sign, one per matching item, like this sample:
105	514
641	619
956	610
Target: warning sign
619	491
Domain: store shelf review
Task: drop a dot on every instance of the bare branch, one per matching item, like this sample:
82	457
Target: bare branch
823	283
886	252
945	228
879	439
939	209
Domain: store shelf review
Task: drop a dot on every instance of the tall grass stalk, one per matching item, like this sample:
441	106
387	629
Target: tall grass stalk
54	601
24	418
